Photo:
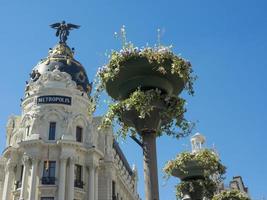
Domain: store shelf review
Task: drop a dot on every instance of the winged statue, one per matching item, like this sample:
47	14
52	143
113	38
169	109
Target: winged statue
63	30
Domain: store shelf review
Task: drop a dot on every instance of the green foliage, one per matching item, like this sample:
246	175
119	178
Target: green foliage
230	195
206	160
206	186
156	56
142	102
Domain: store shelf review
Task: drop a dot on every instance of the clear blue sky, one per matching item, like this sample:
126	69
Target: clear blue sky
226	42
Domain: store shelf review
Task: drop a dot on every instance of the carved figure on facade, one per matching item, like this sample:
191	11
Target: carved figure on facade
34	75
17	138
48	77
91	136
36	121
10	125
56	114
55	75
26	159
67	122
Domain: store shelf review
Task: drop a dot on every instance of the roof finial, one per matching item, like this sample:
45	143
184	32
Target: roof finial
197	141
63	30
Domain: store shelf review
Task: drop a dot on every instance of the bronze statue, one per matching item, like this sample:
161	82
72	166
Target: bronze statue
63	30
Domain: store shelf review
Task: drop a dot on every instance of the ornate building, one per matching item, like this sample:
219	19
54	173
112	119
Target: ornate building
54	150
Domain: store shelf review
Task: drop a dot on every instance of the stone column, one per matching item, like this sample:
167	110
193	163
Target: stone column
9	175
96	183
33	179
71	179
24	177
109	188
91	183
109	176
62	178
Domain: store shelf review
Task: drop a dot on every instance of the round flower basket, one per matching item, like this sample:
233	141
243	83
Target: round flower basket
151	122
139	72
192	170
146	69
192	166
195	171
231	195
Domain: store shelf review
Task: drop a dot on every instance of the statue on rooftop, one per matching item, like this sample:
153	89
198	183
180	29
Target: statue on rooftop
63	30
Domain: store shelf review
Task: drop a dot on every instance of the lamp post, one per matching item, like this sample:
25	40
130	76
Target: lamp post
156	72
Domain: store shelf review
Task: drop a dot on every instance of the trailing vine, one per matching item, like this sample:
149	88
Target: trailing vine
207	186
230	195
156	56
142	102
208	161
206	158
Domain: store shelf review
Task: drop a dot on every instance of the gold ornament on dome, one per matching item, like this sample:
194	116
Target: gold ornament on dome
61	49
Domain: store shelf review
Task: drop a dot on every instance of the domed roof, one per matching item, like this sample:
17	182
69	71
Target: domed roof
61	57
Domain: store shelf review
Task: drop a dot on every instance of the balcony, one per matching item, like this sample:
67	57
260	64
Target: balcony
48	180
78	184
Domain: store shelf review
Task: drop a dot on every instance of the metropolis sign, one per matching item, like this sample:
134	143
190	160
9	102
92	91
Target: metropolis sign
54	99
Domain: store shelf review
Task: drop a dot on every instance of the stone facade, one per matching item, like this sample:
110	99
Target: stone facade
54	149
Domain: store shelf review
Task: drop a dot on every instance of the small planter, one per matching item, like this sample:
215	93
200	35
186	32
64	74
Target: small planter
192	171
195	171
138	72
201	164
231	195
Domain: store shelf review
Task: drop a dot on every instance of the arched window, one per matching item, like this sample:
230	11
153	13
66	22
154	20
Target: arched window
79	134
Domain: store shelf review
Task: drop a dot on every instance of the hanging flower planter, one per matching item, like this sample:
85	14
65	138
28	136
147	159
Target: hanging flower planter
148	68
199	173
194	165
192	170
141	83
231	195
144	84
149	110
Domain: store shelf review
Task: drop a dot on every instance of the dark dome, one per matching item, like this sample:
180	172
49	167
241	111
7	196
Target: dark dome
61	57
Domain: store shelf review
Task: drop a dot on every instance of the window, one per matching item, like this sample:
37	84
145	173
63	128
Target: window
114	190
21	172
49	173
78	176
18	182
79	134
52	131
28	130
